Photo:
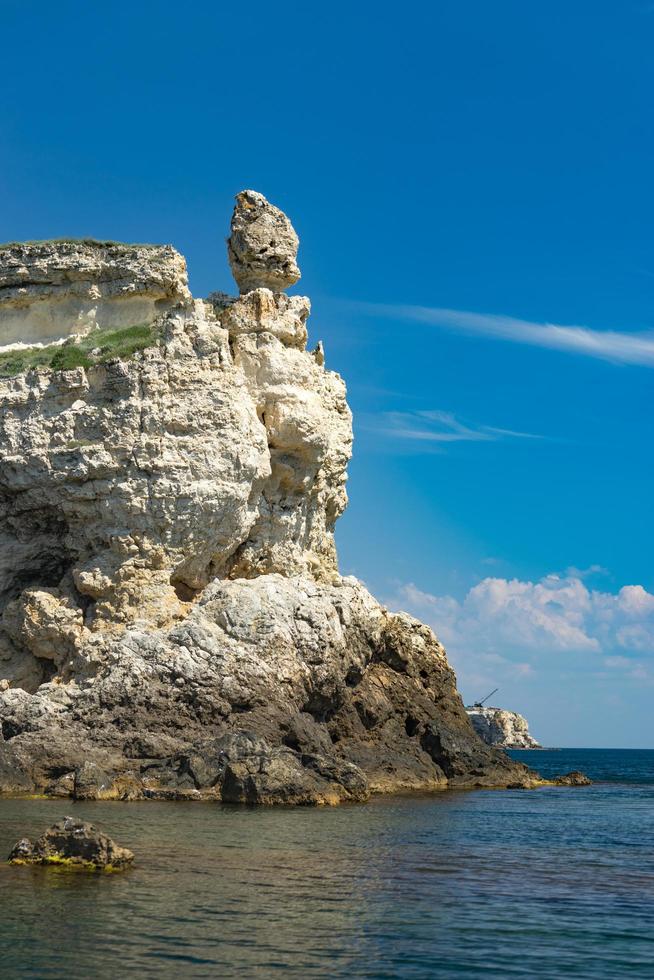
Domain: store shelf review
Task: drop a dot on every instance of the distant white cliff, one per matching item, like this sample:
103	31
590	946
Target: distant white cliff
505	729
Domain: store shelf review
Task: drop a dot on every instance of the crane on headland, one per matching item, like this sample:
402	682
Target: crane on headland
480	704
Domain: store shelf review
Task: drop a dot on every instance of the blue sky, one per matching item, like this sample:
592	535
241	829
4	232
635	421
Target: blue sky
462	175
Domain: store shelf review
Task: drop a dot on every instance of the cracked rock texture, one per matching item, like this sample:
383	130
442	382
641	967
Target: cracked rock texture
506	729
52	290
172	619
263	246
73	843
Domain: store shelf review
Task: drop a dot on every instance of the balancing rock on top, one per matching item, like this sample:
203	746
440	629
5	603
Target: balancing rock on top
262	247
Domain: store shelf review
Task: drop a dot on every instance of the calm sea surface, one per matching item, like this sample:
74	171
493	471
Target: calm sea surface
548	883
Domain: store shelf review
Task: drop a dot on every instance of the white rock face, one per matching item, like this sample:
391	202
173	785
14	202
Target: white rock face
127	487
52	290
505	729
206	455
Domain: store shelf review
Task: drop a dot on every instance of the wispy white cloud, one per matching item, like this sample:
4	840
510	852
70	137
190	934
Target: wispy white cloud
608	345
438	427
573	572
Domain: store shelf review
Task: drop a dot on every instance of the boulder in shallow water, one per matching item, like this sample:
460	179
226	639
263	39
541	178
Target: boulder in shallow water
574	778
72	843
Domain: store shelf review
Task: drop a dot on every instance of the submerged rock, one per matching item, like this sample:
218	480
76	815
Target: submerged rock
75	844
172	620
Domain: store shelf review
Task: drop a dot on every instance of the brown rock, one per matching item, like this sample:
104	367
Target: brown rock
574	778
75	844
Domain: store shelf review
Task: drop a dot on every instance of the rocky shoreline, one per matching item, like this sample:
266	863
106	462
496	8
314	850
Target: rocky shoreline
173	623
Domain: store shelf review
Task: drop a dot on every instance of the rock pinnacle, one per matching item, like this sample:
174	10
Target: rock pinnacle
262	247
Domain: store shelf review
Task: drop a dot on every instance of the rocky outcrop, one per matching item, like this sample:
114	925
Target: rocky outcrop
262	247
74	844
573	778
505	729
173	623
52	290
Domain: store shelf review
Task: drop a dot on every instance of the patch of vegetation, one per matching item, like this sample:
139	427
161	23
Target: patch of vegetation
66	864
69	356
17	361
78	241
98	347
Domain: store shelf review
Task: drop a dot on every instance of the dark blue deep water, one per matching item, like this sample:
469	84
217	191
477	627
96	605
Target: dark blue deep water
553	882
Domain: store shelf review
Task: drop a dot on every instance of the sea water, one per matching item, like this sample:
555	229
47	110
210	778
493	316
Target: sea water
555	882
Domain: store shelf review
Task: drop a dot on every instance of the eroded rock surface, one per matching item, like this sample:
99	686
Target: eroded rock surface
263	245
72	843
173	623
573	778
51	290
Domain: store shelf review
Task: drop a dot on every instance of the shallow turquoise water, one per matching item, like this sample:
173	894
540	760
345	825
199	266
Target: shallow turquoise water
550	883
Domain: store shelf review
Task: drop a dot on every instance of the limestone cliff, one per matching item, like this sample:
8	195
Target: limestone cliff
51	290
172	618
504	729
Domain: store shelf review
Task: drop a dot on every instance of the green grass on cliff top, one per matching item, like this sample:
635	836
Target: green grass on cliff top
109	344
97	242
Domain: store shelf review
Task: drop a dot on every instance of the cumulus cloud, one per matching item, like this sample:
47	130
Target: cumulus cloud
621	347
558	614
